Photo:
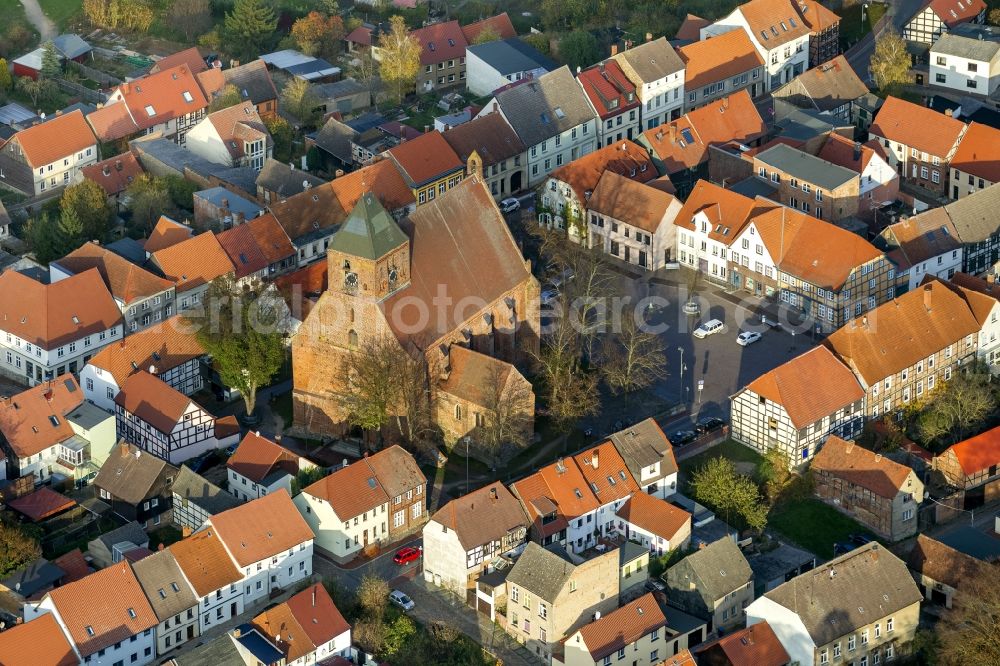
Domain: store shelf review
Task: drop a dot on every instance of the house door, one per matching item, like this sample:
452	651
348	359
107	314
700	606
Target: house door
190	632
515	181
232	610
365	535
920	79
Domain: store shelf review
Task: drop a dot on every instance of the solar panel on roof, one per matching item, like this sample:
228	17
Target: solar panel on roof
70	386
686	133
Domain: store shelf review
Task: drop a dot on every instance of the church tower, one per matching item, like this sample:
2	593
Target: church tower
369	256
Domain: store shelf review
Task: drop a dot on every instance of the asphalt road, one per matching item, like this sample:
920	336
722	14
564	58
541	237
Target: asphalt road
860	55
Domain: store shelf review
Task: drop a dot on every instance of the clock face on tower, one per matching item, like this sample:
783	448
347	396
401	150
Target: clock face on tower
351	279
393	274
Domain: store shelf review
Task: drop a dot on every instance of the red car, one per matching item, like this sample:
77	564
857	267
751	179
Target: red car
406	555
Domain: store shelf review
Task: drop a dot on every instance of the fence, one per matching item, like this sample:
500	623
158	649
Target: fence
103	78
83	92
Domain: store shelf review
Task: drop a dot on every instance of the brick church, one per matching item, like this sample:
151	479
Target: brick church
450	275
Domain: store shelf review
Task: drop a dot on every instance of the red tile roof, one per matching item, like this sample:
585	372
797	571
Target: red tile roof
625	158
152	400
40	642
257	456
500	23
112	122
425	159
718	59
41	504
841	151
732	118
318	616
917	127
560	488
978	453
606	473
756	645
114	174
690	30
774	22
55	139
382	179
979	153
164	346
609	89
96	619
166	233
34	419
73	565
261	528
622	627
727	211
194	262
656	516
165	93
861	467
126	281
953	12
190	57
440	42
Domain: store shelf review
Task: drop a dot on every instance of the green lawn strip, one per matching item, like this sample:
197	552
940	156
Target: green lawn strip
813	525
61	11
728	449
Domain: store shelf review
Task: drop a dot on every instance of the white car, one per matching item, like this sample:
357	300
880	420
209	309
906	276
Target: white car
564	276
509	205
747	338
401	600
549	296
710	327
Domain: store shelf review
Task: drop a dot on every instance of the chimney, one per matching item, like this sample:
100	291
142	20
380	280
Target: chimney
857	151
750	634
493	494
673	133
338	173
594	459
314	596
427	129
701	545
649	36
496	107
240	218
225	203
864	321
927	296
124	447
614	49
160	546
725	102
185	531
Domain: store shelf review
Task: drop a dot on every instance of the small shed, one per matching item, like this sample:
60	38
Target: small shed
30	64
41	504
73	47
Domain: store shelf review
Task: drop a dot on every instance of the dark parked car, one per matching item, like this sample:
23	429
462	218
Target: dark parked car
682	437
841	547
861	539
710	424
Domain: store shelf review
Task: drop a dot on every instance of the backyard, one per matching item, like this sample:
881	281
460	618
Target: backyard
853	28
813	525
61	11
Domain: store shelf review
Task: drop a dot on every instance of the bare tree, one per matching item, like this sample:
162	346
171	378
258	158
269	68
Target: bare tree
366	72
958	407
632	359
509	404
970	630
373	595
570	393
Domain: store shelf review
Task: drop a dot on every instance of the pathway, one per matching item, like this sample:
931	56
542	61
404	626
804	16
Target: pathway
36	17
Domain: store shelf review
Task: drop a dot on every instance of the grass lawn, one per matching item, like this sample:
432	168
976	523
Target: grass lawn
61	11
813	525
727	449
852	29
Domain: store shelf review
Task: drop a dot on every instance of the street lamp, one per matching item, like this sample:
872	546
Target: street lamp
681	350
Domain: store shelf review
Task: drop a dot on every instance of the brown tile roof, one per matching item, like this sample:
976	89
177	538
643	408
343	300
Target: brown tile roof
831	85
622	627
774	22
425	159
41	504
978	453
396	470
73	565
114	174
817	16
482	516
381	179
166	345
126	281
261	528
95	619
488	135
626	158
606	473
241	247
257	456
440	42
205	562
314	209
56	138
561	486
350	490
609	90
163	93
810	249
131	474
301	289
976	283
654	515
34	419
732	118
917	127
236	124
475	377
40	642
112	122
756	645
501	23
943	564
840	150
921	237
792	385
953	12
727	211
718	58
271	239
193	262
285	632
899	333
153	401
635	203
690	30
190	57
861	467
226	426
51	315
979	153
166	233
303	623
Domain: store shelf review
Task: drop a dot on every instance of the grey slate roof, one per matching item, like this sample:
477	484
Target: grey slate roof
966	47
512	55
541	571
806	167
128	477
34	577
369	231
155	152
166	588
131	532
856	588
198	490
130	249
285	180
71	45
716	570
335	138
642	445
804	125
828	86
652	60
221	650
252	80
975	216
550	105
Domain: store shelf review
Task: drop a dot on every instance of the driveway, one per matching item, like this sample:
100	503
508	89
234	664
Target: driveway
37	18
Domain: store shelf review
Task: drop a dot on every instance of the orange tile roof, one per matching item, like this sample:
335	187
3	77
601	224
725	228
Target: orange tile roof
350	490
256	456
166	345
953	12
917	127
978	453
167	232
194	262
271	239
40	642
793	386
73	565
190	57
858	465
501	23
114	174
727	211
241	247
55	139
718	58
732	118
622	627
690	30
425	159
606	473
682	658
840	150
774	22
165	93
96	619
821	253
205	562
756	645
655	515
381	179
126	281
285	632
979	153
152	400
51	315
921	237
560	485
817	16
626	158
301	289
897	334
261	528
112	122
638	204
236	124
303	623
26	419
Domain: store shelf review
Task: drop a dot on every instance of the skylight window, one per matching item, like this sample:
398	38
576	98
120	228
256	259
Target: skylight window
187	96
54	420
774	31
431	46
131	613
173	586
579	495
793	23
764	35
611	480
451	42
686	133
150	111
559	112
163	595
76	320
784	28
90	630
